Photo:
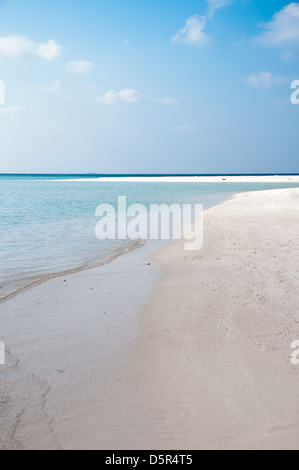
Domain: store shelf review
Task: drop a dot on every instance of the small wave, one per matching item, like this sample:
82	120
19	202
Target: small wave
20	285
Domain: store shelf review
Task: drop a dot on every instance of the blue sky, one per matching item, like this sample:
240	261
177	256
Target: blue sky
149	86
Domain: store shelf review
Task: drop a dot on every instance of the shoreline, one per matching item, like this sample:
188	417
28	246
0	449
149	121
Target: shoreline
40	279
196	357
23	284
71	328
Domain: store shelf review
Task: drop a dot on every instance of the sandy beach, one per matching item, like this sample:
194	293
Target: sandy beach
192	179
167	350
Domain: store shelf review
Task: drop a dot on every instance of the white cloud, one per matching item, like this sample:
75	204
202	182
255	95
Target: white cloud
193	32
49	51
79	66
130	96
15	46
184	128
265	80
19	46
10	110
214	5
283	29
52	89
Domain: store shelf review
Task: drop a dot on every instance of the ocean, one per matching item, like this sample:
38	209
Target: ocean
47	224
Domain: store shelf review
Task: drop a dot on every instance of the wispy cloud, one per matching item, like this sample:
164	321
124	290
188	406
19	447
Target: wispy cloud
127	95
193	32
10	110
214	5
19	46
265	80
81	67
131	96
289	56
52	89
283	29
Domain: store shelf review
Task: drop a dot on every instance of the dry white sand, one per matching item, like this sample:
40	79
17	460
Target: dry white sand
219	330
192	179
205	364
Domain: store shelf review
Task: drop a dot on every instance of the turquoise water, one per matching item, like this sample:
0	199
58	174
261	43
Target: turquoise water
47	226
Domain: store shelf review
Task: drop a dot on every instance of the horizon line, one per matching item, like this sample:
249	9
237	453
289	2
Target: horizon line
125	175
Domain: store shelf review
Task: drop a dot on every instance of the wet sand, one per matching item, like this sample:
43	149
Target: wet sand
191	351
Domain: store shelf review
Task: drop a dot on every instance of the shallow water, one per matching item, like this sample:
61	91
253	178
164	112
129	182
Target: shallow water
47	224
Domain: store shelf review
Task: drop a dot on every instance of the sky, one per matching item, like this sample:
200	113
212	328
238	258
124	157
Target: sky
152	86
